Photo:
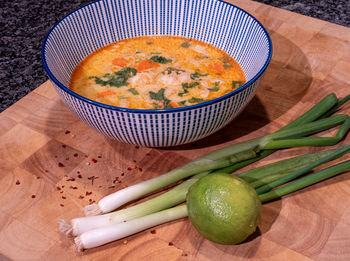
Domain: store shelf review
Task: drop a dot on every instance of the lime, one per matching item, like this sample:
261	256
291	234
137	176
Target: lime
223	208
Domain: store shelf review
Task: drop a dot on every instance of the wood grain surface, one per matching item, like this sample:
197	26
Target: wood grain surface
50	162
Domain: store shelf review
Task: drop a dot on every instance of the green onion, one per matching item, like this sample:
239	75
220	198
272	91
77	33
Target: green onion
214	160
306	181
316	112
166	200
337	106
255	177
336	154
119	198
104	235
268	173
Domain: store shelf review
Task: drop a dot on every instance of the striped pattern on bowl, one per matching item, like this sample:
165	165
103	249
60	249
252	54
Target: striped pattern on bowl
98	24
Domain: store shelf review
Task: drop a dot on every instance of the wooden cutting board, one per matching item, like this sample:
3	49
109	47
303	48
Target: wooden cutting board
43	147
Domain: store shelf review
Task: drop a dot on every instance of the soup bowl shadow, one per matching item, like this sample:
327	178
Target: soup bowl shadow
91	27
285	83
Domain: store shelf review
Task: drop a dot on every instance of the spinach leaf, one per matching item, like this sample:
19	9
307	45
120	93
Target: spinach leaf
160	59
237	84
185	44
159	96
169	70
186	86
196	75
133	91
156	106
117	79
215	87
195	100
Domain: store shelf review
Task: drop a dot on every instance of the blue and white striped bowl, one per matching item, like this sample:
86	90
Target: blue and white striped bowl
98	24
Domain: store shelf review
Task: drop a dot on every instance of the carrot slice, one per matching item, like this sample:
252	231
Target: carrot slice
120	61
105	93
174	104
217	67
146	64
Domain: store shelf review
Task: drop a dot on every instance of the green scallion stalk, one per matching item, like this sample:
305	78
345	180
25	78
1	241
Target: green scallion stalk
270	172
255	177
128	194
336	107
214	160
107	234
171	198
306	181
335	154
316	112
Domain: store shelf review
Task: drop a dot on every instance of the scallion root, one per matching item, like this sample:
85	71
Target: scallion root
65	227
92	210
79	244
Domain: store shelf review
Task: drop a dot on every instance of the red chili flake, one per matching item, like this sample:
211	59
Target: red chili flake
129	168
61	191
119	181
61	205
123	174
153	231
78	171
148	154
17	182
134	166
64	146
111	187
99	156
37	177
115	180
80	176
81	196
46	170
88	193
67	132
75	154
139	169
91	201
134	161
94	160
62	186
92	178
73	187
184	254
63	197
58	188
71	179
33	196
60	164
171	244
137	147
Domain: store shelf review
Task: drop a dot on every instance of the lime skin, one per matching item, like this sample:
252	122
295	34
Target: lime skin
223	208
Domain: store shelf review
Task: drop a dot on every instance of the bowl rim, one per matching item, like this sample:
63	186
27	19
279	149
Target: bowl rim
149	111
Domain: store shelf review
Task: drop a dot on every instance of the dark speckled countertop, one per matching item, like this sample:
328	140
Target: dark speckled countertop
24	24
